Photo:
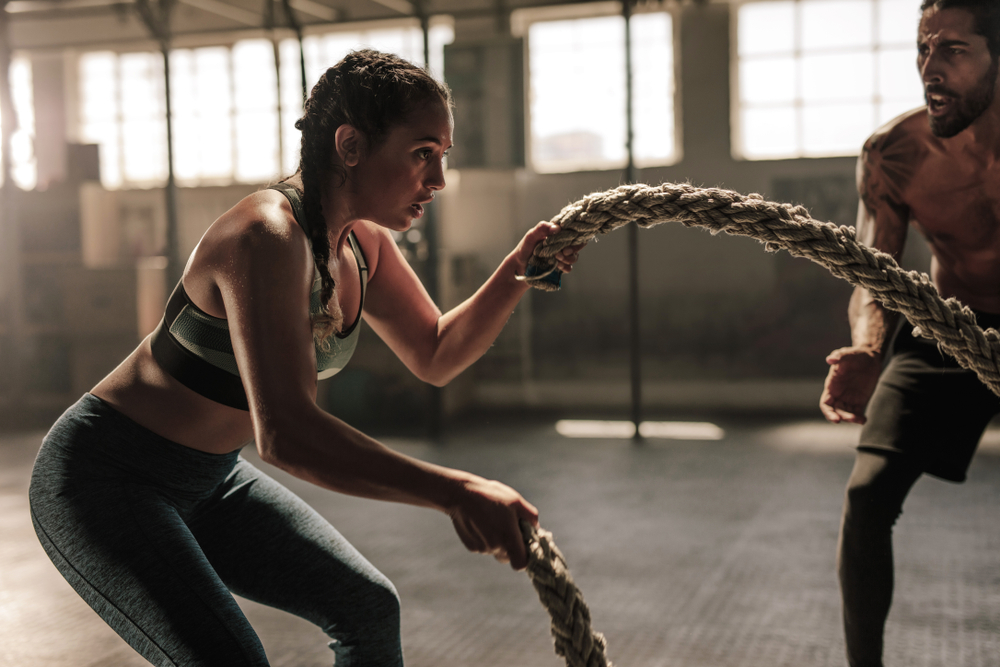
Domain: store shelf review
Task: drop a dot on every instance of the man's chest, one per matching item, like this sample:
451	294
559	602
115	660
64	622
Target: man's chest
956	201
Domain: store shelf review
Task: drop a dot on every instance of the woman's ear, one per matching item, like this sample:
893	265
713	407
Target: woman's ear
349	142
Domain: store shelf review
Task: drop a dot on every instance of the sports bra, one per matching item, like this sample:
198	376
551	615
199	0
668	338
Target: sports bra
196	349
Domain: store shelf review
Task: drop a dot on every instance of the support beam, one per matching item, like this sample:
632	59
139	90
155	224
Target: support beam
11	279
156	15
635	349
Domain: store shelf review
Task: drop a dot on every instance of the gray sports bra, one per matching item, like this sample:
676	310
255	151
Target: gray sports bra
195	347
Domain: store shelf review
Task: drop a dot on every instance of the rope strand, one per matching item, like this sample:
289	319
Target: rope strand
782	227
572	635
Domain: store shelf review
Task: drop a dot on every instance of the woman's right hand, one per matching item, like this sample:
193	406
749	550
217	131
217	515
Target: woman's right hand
487	519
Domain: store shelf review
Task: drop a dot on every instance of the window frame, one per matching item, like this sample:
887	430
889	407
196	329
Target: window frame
520	23
227	41
737	145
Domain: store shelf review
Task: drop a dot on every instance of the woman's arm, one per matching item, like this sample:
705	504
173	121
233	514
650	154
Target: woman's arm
265	286
434	346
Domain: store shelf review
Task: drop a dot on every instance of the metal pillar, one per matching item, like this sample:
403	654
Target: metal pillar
635	351
435	417
156	15
11	281
297	27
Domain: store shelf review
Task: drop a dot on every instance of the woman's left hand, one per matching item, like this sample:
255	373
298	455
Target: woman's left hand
565	258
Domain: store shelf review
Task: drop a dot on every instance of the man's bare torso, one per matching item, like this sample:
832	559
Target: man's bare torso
949	193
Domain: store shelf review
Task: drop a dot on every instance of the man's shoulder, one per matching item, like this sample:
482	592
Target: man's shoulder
908	128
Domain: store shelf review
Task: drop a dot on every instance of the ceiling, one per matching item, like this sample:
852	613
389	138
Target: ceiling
58	24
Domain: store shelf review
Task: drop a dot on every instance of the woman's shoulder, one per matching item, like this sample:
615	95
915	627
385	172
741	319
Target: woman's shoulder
374	241
258	233
263	220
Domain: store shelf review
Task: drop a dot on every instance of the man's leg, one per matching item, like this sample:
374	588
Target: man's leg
873	501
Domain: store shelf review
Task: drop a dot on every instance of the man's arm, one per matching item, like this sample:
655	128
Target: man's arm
884	170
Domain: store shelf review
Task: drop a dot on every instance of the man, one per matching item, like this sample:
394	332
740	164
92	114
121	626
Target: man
924	413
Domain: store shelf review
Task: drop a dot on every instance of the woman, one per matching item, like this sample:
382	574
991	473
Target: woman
139	494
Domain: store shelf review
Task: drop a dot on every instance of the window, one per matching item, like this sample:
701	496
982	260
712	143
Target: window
225	105
816	77
577	92
22	154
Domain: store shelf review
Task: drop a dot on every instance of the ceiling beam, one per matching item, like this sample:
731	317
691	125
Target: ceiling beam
401	6
228	11
316	9
27	6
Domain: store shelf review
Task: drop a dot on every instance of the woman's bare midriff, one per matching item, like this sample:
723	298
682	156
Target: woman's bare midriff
147	395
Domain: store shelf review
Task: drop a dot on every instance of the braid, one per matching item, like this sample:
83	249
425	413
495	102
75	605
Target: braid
371	91
314	164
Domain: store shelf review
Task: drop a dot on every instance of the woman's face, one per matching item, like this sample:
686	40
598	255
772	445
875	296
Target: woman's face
391	183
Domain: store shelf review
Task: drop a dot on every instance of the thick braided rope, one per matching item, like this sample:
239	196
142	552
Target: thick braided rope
782	227
574	640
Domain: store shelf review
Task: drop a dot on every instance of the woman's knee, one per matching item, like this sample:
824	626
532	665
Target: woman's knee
380	606
369	630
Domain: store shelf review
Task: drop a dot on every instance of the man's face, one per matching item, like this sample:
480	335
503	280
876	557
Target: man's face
958	72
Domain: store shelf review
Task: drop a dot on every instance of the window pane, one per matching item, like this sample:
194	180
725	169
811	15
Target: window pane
836	129
898	78
855	70
144	154
847	76
256	146
98	87
653	88
766	27
769	133
144	140
767	80
889	110
577	93
142	85
254	77
897	21
22	142
836	23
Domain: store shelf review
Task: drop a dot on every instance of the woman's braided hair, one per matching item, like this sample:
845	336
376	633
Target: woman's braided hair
371	91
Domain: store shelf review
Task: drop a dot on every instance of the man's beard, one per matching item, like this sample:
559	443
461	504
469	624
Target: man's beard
967	108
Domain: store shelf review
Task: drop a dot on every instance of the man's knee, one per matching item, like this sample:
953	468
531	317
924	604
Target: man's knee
877	488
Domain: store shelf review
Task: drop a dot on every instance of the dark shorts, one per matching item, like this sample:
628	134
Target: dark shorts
928	407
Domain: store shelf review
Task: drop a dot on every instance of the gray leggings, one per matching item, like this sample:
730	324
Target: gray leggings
155	536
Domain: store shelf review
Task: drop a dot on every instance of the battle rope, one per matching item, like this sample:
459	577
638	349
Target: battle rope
574	640
787	227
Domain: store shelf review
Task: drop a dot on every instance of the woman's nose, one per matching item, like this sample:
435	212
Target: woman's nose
435	180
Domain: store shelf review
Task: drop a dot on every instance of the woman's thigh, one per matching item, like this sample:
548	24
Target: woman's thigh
269	546
130	556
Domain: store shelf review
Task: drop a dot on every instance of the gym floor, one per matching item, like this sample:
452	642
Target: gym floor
689	553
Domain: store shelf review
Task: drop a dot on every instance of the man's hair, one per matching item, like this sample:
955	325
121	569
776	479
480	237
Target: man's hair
986	14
